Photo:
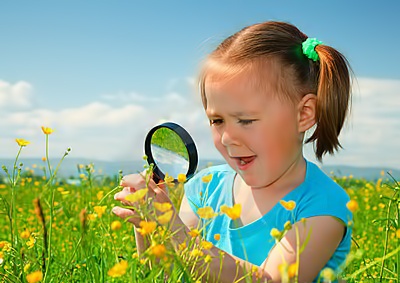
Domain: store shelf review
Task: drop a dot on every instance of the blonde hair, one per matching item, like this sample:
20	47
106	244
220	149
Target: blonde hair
280	44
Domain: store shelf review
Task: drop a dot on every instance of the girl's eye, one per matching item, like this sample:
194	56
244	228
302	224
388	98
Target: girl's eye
216	121
246	122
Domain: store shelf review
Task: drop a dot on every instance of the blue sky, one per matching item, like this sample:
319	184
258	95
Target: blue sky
102	73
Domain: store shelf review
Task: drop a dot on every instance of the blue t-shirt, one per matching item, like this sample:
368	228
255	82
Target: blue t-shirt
318	195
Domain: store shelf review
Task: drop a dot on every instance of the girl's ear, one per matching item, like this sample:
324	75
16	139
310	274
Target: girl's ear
307	108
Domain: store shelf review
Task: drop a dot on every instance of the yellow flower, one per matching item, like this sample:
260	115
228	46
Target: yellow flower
206	212
165	218
116	225
181	178
146	227
232	212
287	225
5	246
194	233
26	267
138	195
328	273
118	269
217	237
196	252
206	245
398	233
31	242
352	205
207	259
162	207
254	269
283	267
288	205
182	246
207	178
22	142
47	130
25	234
91	216
158	250
100	195
292	271
34	277
276	234
168	179
100	210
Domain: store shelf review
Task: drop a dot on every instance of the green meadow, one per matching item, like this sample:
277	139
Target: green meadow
52	231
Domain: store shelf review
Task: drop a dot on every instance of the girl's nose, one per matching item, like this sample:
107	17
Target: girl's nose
229	136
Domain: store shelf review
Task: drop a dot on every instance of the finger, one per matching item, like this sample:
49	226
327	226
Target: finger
127	214
152	184
134	181
161	195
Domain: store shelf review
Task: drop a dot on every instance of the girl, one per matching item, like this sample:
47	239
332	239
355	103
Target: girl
262	89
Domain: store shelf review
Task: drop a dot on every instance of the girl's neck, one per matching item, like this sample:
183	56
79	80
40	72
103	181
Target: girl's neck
259	201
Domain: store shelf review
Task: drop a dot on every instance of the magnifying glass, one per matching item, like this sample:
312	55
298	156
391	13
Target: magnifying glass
172	150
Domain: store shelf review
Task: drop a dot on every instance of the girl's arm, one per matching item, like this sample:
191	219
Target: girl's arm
325	235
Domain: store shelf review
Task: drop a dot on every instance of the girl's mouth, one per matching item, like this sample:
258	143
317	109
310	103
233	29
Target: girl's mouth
244	162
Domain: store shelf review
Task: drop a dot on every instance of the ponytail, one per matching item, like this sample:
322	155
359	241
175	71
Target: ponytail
333	96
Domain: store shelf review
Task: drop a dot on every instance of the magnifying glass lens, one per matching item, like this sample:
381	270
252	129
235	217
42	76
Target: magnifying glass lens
171	149
169	152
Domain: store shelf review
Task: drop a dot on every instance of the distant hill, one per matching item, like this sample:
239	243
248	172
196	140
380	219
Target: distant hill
69	167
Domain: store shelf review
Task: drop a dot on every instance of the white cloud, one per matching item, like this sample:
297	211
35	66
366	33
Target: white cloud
115	128
15	96
371	136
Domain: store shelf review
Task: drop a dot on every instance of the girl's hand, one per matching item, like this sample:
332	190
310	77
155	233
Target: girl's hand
132	183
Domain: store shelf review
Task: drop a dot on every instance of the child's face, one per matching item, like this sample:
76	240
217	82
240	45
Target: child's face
256	132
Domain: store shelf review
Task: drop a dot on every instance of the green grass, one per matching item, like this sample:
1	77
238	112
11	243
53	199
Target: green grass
82	246
171	141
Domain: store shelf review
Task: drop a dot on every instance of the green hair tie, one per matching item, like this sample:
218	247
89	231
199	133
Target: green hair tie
308	47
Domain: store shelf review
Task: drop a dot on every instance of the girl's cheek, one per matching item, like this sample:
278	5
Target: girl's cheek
216	139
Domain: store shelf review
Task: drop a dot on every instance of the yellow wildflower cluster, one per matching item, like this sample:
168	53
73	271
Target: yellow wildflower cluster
118	269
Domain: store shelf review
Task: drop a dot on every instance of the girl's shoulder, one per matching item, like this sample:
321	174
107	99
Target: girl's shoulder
318	182
320	195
